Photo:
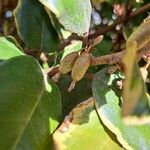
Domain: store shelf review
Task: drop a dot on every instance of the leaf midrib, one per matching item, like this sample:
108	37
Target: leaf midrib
29	118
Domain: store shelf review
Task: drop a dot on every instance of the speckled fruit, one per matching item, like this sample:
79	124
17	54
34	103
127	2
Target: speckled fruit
67	63
80	66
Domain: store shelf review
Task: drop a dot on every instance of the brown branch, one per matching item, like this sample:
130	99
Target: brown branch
140	11
103	30
107	59
117	57
67	41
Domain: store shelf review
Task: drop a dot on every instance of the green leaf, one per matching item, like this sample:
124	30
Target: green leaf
8	49
103	48
62	33
81	92
73	47
82	130
34	26
136	101
28	99
131	137
14	41
74	15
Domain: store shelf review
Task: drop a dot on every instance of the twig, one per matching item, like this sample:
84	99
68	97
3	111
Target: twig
140	11
103	30
116	57
68	41
52	71
107	59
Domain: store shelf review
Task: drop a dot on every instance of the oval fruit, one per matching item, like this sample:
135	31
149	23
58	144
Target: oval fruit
67	63
80	66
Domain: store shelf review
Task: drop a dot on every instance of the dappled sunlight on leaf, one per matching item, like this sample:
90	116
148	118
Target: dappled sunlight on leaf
28	100
8	49
74	15
107	100
82	129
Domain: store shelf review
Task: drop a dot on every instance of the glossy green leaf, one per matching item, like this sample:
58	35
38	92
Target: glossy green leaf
34	26
74	15
131	137
28	99
82	130
8	49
